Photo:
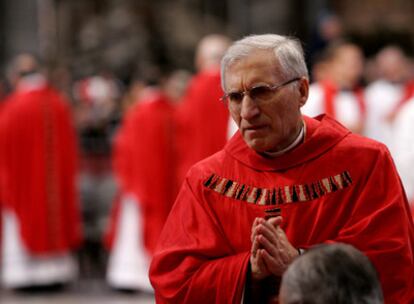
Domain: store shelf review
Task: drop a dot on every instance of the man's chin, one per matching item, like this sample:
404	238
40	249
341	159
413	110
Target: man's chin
257	145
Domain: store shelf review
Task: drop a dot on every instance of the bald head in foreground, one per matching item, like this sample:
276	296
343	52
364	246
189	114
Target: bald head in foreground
335	273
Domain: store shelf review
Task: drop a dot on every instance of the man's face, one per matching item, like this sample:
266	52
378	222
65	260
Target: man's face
266	125
349	64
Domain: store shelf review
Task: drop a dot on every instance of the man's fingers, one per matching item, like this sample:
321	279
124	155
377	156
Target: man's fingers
255	247
275	221
260	262
265	271
267	245
258	267
268	231
270	262
256	222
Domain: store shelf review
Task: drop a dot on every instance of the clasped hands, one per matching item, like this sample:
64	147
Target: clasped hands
271	251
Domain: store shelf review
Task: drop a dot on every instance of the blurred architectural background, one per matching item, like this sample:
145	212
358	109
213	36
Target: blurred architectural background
87	36
102	45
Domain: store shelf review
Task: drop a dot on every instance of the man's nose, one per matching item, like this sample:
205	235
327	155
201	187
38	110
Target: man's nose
249	108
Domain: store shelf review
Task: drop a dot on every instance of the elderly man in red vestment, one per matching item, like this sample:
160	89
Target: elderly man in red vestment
203	123
284	183
38	164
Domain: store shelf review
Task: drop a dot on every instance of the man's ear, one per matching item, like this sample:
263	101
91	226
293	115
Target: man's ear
303	90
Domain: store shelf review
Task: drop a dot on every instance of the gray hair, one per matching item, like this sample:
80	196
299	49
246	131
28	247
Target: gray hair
287	50
335	273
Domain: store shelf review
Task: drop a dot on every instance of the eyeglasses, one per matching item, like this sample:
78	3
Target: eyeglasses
257	93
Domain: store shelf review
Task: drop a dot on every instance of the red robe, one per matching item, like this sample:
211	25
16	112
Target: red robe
334	187
1	198
144	163
202	120
38	166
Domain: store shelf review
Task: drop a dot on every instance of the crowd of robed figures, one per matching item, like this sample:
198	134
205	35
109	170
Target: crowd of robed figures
158	140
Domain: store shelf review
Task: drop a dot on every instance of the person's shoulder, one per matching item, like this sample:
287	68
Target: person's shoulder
379	84
359	144
57	97
407	109
381	89
204	168
206	78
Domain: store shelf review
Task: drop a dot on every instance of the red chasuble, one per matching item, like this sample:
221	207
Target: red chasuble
202	120
144	162
38	166
334	187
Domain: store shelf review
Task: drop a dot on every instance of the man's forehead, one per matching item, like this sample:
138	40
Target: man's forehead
261	64
257	56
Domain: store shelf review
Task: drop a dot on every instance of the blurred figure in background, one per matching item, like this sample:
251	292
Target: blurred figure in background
38	168
97	116
3	94
145	167
336	273
3	91
320	68
204	124
402	147
176	85
385	95
328	28
97	96
338	93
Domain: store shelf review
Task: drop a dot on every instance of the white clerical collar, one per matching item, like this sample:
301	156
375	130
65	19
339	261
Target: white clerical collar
295	143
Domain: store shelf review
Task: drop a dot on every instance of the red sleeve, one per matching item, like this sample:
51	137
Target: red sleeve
380	225
412	209
193	262
122	153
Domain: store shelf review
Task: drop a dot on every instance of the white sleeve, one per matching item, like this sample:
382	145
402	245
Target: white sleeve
314	105
403	147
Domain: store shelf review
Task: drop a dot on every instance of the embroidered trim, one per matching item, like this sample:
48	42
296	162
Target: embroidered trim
272	212
278	195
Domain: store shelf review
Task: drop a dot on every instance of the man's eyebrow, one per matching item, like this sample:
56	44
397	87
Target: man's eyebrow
253	85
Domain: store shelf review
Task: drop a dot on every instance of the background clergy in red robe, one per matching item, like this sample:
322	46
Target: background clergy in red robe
202	119
145	165
284	183
38	166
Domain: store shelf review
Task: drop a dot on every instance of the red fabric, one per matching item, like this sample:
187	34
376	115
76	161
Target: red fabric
1	195
330	91
144	162
202	120
407	95
203	252
412	209
38	166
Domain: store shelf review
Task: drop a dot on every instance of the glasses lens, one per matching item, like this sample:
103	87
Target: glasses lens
261	93
235	97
